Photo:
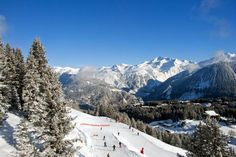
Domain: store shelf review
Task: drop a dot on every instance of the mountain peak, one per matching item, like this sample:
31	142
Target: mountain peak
69	70
158	59
136	76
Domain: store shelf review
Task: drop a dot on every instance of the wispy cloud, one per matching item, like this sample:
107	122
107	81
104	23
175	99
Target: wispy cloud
222	28
222	56
220	25
207	5
87	72
3	25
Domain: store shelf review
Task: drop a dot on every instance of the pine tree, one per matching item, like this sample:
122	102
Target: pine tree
159	135
166	137
45	106
24	145
208	141
58	123
102	110
10	78
20	72
126	119
96	112
149	130
141	126
3	87
175	140
133	123
33	104
3	108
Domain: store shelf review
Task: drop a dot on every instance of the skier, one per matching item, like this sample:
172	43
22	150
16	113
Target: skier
101	128
108	155
105	144
142	150
138	133
120	144
118	133
178	155
114	147
104	138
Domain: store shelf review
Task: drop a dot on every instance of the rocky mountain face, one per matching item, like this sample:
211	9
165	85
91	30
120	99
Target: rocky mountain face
137	79
95	92
160	78
211	81
119	84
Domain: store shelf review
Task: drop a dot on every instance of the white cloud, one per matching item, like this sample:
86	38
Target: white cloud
3	25
221	55
87	72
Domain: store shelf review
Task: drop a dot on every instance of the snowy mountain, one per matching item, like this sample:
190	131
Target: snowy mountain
68	70
166	78
90	143
219	57
137	76
142	76
214	80
95	92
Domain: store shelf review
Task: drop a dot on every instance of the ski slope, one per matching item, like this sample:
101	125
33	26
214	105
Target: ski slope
91	144
89	128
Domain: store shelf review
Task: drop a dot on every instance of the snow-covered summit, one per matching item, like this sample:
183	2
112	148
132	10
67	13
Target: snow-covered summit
69	70
137	76
219	57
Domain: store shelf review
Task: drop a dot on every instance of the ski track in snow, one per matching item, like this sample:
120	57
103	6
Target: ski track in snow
91	143
131	142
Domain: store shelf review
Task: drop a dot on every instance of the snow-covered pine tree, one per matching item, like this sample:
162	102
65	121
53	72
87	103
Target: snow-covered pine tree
96	112
141	126
126	119
133	123
208	141
33	105
175	140
20	72
3	87
58	122
33	108
10	78
42	90
24	145
151	131
159	135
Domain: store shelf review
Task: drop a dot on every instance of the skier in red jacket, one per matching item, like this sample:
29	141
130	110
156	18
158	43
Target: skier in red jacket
142	150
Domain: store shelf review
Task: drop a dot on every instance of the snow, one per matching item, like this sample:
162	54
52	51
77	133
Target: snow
176	127
91	144
189	127
135	76
6	135
211	113
232	54
131	142
68	70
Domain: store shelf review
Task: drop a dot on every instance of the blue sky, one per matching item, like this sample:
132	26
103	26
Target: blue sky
106	32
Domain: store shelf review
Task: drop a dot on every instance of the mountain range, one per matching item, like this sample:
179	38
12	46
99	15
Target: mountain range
160	78
133	77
